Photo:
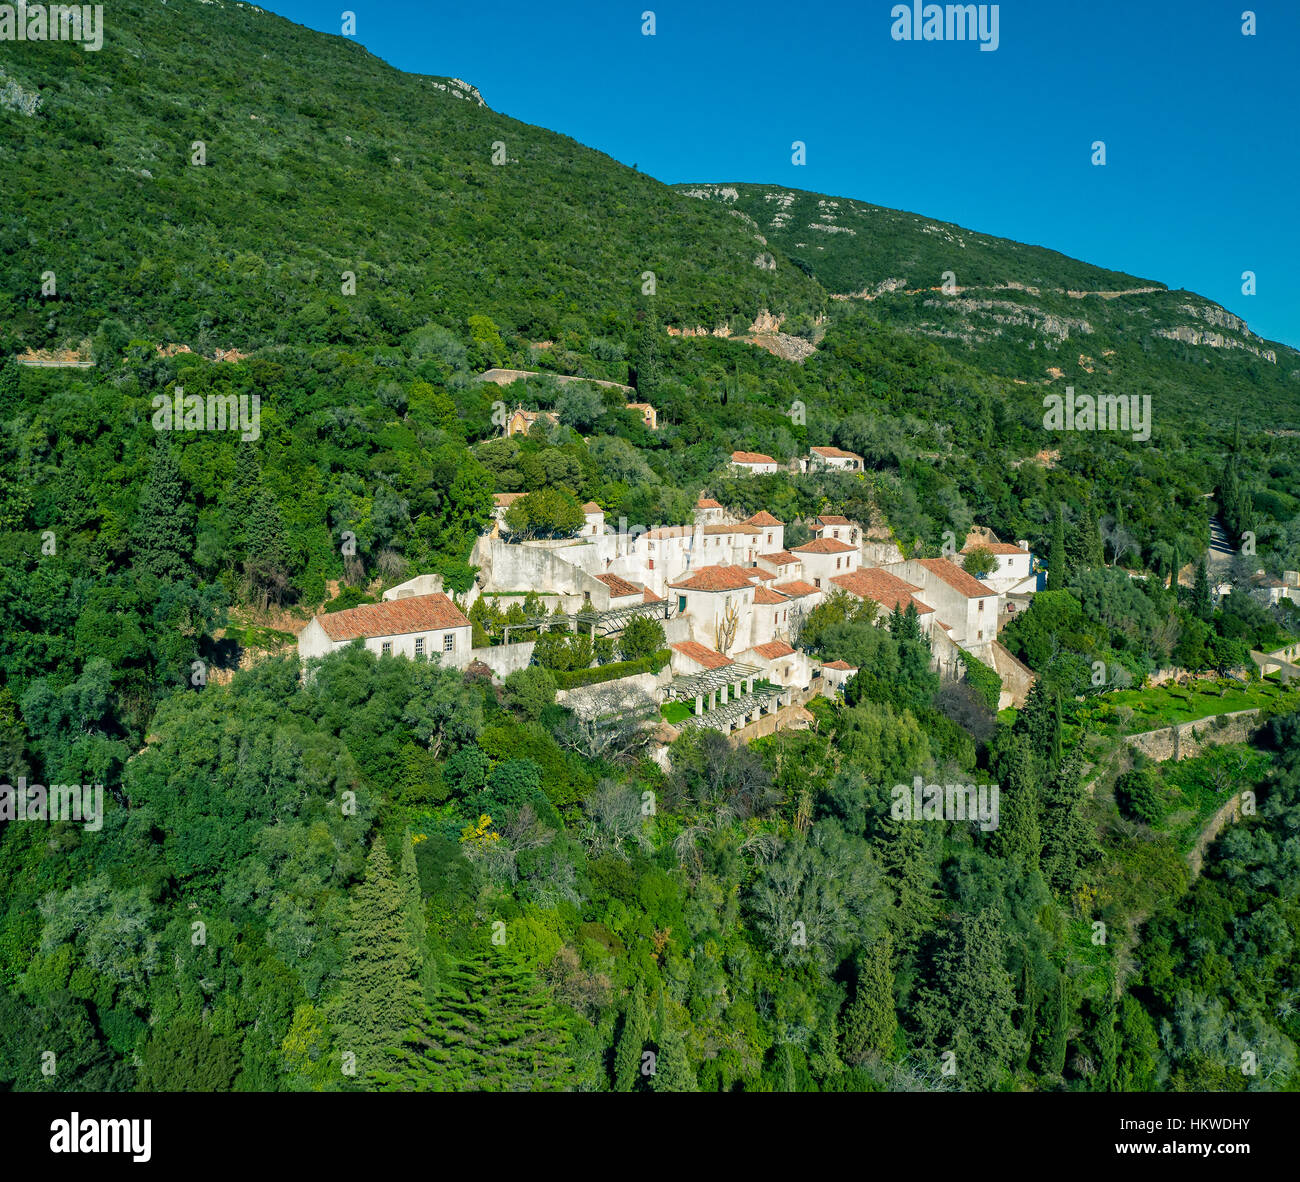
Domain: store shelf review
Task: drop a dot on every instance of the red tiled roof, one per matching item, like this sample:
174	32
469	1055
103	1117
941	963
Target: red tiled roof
393	617
702	654
750	457
882	587
832	520
994	548
777	648
708	503
840	665
835	453
956	578
592	507
781	558
824	546
651	597
731	529
618	587
768	596
765	575
762	517
670	531
716	578
797	589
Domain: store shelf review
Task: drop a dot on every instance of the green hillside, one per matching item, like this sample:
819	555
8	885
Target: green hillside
322	159
1025	312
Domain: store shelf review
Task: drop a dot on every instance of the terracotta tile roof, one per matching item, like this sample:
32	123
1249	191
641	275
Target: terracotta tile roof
835	453
762	517
994	548
708	503
393	617
592	507
840	665
956	578
731	529
781	558
879	585
824	546
770	652
651	597
716	578
670	531
797	589
832	520
768	596
618	587
702	654
750	457
764	575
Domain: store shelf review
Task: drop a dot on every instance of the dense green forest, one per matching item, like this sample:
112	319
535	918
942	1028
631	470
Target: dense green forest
381	874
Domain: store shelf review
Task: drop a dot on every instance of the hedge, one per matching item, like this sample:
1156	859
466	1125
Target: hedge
575	678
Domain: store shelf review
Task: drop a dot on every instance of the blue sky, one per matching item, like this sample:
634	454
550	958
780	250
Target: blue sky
1199	121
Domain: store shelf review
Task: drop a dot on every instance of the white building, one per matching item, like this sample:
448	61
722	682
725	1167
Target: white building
594	520
839	529
719	600
415	626
834	457
968	607
781	663
1013	574
824	558
771	531
835	676
752	462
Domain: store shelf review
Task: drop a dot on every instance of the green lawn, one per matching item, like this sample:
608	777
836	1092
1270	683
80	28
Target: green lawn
675	712
1135	710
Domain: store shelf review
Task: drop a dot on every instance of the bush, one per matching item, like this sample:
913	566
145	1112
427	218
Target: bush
529	691
982	679
1138	794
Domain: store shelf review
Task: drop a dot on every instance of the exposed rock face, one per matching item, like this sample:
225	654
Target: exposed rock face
16	97
1047	323
1194	336
460	90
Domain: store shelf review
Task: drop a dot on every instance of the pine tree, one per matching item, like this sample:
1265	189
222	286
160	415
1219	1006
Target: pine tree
1056	561
163	535
632	1042
494	1028
870	1020
379	1004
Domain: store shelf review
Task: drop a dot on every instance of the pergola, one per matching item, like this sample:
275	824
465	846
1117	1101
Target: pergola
738	711
723	696
603	623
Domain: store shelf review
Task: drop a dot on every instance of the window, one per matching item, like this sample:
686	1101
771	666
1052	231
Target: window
449	643
650	563
817	582
837	564
981	605
386	648
419	646
769	539
681	603
979	635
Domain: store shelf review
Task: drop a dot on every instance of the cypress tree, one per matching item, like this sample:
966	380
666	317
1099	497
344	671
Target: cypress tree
632	1042
870	1020
1202	604
8	386
673	1070
379	1004
163	534
1175	564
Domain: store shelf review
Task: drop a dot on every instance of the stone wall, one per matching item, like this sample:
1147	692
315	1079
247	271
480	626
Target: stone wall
1189	739
504	659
